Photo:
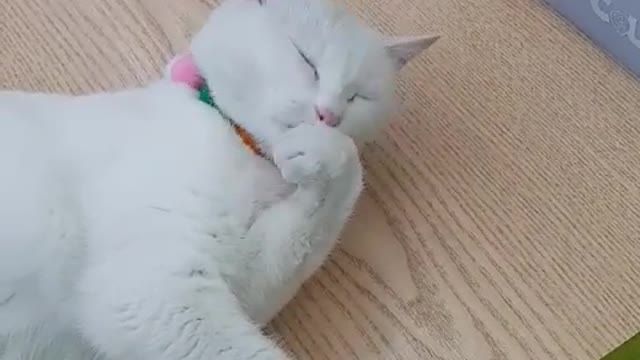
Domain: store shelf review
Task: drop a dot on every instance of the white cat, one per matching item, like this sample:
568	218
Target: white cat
137	225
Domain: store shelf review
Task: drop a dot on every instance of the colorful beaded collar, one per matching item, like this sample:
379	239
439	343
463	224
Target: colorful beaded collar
184	70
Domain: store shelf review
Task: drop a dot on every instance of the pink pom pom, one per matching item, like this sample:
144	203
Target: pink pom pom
183	70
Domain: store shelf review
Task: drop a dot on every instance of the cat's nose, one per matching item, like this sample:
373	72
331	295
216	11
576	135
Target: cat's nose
328	117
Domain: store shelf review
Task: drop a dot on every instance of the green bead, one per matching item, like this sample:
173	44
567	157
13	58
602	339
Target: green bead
205	95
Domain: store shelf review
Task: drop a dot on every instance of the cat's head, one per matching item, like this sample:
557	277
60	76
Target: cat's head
272	64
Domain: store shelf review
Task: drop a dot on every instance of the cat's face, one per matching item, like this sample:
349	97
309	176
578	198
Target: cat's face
275	63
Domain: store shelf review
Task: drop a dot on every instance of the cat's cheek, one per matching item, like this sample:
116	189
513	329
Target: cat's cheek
363	119
297	113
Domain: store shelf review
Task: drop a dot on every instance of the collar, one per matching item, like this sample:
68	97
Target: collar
182	69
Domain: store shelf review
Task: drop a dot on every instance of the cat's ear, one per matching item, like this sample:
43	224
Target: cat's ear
403	49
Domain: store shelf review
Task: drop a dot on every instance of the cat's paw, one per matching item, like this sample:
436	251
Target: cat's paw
311	153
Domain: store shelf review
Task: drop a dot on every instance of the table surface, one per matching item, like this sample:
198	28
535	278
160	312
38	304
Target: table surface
501	218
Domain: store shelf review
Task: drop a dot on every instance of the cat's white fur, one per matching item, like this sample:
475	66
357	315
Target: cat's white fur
136	225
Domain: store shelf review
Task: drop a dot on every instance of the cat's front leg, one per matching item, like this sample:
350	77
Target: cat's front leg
295	235
134	307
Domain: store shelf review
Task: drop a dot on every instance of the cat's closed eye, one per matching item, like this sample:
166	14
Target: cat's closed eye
307	60
357	96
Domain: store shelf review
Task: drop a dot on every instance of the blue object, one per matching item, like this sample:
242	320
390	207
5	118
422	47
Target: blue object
613	24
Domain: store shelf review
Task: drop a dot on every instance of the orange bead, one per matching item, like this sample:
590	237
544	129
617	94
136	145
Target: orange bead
247	139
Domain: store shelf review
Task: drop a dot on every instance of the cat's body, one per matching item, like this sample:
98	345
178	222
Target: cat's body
138	224
106	156
117	200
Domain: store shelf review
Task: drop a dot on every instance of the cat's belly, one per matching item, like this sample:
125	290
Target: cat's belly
40	285
36	223
40	254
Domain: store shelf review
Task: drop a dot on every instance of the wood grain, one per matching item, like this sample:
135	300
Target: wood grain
502	216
